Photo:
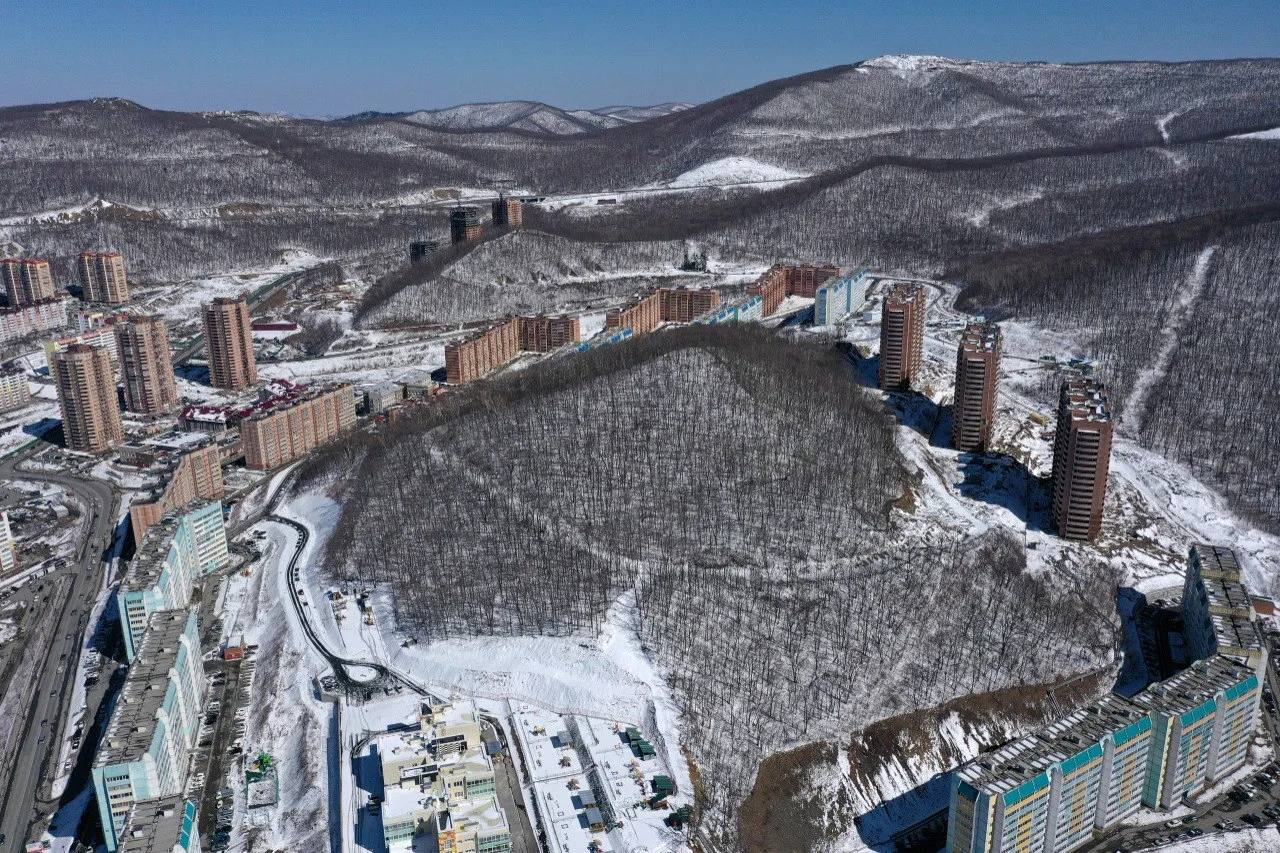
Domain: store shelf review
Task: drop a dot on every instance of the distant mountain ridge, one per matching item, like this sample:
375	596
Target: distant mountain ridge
531	116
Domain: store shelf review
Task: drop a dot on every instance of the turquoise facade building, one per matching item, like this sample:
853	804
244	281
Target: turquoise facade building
184	546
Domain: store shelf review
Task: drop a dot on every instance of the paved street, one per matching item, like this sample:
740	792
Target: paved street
51	691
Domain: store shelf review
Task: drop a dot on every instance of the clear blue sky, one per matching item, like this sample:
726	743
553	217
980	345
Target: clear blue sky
331	58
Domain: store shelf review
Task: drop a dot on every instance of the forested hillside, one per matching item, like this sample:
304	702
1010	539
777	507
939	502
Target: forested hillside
736	493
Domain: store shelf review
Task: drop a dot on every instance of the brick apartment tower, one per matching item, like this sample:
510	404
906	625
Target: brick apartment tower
103	278
26	280
87	396
1081	458
508	211
901	335
977	370
229	342
146	364
464	224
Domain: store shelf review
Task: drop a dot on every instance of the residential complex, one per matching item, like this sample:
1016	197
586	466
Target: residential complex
167	825
1081	458
438	778
683	305
740	311
296	424
1052	789
229	342
183	546
835	300
977	371
102	336
664	305
41	316
508	211
1217	613
902	321
145	752
544	334
27	281
146	364
464	224
103	278
15	390
183	478
486	351
8	548
87	396
783	280
1202	720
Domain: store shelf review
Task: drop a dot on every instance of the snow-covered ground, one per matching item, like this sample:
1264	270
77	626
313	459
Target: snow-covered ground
728	171
384	364
181	303
1155	510
1273	133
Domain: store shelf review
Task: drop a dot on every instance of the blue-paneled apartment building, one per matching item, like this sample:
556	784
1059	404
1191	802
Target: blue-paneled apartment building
140	772
1050	791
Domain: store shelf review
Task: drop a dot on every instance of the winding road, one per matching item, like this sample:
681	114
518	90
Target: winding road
51	692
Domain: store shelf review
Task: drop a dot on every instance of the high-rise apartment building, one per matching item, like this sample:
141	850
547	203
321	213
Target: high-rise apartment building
229	342
1049	791
295	425
508	211
1217	613
1202	721
544	334
26	280
15	391
1081	458
146	365
901	335
8	548
184	546
18	322
682	304
87	397
195	474
665	305
103	278
977	369
145	752
782	280
464	224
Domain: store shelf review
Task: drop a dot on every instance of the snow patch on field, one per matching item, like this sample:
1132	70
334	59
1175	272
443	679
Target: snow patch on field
734	170
1273	133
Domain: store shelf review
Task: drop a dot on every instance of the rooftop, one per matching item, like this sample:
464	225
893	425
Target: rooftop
133	719
1227	595
1192	687
904	293
149	558
481	814
1085	399
1236	635
1216	561
156	826
1006	768
980	337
